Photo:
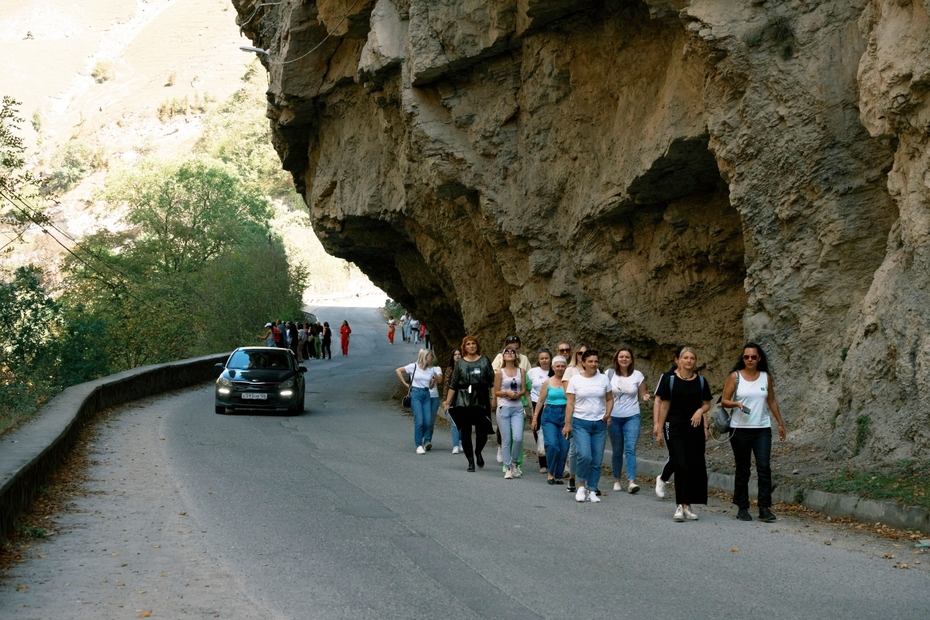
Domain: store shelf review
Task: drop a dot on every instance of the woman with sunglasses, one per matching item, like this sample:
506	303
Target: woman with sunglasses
683	413
536	376
750	393
588	403
509	388
524	363
549	415
468	399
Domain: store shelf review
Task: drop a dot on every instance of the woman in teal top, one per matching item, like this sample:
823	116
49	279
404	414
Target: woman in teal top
550	416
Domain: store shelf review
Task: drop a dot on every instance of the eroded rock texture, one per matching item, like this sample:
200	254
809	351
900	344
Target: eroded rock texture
649	172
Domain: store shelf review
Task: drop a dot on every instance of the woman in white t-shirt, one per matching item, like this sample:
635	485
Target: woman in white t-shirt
537	376
573	368
750	392
589	401
424	397
628	387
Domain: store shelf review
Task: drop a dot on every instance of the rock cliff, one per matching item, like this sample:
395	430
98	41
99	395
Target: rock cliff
649	172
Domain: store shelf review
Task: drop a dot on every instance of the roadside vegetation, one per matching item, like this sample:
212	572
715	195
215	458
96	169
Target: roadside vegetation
205	249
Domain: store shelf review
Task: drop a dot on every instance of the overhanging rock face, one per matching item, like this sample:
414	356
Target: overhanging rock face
654	173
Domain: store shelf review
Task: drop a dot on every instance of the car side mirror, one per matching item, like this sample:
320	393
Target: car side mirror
219	366
301	369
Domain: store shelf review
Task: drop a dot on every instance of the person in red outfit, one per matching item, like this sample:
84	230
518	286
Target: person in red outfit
344	332
391	328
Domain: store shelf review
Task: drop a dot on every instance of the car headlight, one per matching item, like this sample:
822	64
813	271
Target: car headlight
287	384
224	382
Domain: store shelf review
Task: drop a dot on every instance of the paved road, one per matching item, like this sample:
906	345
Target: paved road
330	515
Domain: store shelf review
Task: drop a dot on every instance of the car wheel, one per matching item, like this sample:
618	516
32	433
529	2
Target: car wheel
220	410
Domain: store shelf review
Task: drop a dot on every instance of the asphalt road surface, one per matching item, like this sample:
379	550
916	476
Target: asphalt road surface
331	514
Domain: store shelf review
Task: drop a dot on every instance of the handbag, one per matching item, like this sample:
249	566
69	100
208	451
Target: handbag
722	416
406	401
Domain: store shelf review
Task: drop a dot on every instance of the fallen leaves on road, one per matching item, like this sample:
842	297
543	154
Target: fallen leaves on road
734	549
146	614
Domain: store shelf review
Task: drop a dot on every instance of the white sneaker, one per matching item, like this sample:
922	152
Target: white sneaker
508	474
421	450
581	494
500	455
679	514
660	487
455	450
617	486
689	515
632	488
516	471
593	498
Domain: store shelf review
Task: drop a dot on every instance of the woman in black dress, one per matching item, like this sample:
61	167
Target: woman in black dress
683	415
468	400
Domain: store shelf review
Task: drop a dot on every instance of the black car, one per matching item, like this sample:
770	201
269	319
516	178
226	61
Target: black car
261	378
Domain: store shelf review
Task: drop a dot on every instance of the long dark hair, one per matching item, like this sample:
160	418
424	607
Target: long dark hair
763	364
452	358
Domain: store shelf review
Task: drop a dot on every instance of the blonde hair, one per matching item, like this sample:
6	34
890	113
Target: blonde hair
421	358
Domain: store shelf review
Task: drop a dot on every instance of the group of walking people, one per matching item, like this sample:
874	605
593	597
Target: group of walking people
307	340
576	407
411	329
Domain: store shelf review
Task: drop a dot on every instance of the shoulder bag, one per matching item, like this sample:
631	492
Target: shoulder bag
406	401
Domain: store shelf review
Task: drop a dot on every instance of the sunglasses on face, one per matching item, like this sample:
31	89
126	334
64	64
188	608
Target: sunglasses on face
509	352
512	339
750	357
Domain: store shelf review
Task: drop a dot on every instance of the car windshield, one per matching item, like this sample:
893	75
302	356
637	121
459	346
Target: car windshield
251	359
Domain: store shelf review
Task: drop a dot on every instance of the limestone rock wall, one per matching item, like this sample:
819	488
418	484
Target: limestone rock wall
647	172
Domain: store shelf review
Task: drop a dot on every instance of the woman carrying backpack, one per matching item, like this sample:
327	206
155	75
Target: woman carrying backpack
683	414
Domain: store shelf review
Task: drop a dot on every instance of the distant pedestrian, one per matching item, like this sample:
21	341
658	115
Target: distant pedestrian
302	341
685	402
549	416
327	342
426	342
405	326
415	331
344	333
628	387
391	328
468	399
268	337
750	392
277	326
317	345
292	340
588	403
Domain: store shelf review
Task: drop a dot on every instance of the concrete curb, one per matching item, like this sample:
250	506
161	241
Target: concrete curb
30	454
830	504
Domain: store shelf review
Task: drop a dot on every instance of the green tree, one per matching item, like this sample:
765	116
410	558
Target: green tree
196	271
188	213
31	324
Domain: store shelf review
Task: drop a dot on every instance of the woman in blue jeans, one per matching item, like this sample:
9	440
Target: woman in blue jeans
549	415
750	392
509	388
588	403
628	387
424	378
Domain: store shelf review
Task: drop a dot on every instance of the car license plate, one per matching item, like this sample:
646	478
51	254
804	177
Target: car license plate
254	396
